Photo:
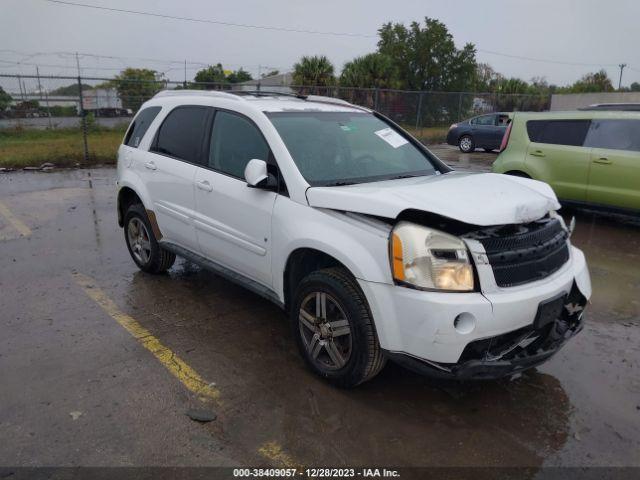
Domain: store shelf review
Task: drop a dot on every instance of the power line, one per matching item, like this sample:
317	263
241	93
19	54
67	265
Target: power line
558	62
58	66
315	32
196	64
214	22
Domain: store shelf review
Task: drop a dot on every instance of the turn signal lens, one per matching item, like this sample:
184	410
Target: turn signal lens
396	253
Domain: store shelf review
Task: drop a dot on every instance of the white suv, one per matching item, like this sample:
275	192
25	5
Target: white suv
374	247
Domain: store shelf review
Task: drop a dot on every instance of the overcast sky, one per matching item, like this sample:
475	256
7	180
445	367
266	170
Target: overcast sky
595	32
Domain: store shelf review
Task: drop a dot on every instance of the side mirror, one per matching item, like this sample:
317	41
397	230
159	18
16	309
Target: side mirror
257	176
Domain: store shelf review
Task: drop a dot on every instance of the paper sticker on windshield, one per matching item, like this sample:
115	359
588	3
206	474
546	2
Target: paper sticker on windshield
392	137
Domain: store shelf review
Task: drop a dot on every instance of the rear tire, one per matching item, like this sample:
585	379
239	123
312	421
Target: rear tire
466	144
143	247
334	330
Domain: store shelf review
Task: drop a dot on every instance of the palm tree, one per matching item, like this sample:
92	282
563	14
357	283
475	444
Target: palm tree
374	70
313	71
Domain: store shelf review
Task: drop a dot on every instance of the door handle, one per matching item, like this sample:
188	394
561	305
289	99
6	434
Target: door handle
204	185
150	165
603	161
537	153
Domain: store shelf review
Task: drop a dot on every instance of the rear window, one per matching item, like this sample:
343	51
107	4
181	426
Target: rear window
182	132
558	132
484	120
615	135
140	125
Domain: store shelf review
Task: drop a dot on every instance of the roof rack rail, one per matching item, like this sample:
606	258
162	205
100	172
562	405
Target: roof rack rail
268	93
323	99
196	93
238	94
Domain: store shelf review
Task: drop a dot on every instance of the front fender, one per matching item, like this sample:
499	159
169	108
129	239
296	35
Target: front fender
357	242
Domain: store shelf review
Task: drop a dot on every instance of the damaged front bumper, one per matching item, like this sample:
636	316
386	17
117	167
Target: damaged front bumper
418	329
510	353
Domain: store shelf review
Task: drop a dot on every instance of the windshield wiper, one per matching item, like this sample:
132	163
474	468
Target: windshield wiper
339	184
398	177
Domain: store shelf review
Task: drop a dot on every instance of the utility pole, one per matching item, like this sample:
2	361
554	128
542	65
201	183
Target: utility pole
83	117
259	76
39	84
20	87
185	74
622	65
46	96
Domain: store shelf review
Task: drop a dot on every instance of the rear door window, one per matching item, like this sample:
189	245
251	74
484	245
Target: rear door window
614	135
140	125
558	132
182	132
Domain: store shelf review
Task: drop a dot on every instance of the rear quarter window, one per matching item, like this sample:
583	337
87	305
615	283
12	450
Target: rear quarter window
614	135
558	132
140	125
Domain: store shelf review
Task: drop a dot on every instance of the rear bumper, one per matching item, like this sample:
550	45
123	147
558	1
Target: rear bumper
452	137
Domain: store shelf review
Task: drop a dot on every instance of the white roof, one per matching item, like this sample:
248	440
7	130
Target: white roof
275	103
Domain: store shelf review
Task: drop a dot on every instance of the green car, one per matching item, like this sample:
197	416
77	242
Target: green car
588	157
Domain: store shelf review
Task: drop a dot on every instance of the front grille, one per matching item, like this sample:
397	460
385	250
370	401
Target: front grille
524	253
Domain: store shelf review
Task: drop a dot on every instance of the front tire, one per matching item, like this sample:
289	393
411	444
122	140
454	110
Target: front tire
143	247
466	144
334	330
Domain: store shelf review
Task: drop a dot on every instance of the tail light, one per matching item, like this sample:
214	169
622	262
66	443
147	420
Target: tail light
505	138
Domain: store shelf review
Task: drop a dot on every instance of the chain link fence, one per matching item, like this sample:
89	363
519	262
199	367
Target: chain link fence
81	120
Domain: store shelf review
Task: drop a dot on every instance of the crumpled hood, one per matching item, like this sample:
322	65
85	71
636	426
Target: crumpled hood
479	199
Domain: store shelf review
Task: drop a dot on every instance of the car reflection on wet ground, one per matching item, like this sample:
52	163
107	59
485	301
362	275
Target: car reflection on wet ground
77	389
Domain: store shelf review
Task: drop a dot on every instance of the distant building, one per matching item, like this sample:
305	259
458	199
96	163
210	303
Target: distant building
481	105
101	98
277	83
103	102
574	101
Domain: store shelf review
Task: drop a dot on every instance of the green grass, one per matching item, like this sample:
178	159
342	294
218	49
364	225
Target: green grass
64	147
428	135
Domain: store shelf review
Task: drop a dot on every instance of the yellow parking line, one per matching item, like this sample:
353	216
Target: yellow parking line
273	451
183	372
15	222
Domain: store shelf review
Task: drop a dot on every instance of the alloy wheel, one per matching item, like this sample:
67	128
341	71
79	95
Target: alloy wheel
139	242
325	331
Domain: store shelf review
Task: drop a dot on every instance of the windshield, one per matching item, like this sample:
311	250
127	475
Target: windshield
343	148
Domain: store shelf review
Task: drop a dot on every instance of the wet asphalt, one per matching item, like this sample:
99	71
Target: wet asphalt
77	389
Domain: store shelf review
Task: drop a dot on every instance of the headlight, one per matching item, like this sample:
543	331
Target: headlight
430	259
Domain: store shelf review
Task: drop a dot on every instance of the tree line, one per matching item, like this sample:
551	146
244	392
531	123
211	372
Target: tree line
425	58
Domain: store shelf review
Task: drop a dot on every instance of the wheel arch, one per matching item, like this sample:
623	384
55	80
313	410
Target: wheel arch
130	189
301	262
517	173
127	196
